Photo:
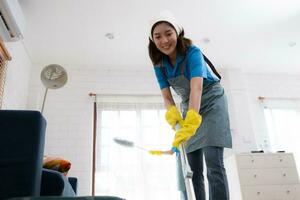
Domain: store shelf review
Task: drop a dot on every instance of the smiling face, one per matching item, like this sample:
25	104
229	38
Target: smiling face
165	39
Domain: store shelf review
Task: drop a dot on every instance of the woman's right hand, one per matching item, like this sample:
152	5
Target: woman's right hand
173	116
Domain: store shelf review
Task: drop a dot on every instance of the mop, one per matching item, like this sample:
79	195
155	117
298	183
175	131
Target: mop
130	144
186	169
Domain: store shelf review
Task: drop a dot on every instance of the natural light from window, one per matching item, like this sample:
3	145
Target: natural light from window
132	173
284	130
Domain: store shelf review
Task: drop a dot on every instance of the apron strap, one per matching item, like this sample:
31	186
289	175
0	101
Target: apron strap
206	60
182	65
211	66
163	70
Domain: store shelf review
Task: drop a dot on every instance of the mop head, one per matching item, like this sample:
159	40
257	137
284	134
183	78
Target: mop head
123	142
130	144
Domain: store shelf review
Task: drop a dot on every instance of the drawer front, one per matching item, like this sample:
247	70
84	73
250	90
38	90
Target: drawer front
281	160
265	160
250	161
271	192
268	176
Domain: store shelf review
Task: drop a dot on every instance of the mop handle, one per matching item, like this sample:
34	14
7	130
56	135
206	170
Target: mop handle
186	171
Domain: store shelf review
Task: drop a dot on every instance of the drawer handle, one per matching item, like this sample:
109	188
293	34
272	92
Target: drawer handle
288	192
257	193
252	161
280	160
284	174
255	176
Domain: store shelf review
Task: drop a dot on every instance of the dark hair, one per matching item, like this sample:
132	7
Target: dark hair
156	55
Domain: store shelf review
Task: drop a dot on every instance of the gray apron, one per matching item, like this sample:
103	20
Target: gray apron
214	129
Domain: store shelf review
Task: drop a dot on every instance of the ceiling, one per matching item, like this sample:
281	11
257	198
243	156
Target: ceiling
259	36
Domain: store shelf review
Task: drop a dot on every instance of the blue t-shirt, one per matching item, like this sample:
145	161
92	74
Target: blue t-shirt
195	67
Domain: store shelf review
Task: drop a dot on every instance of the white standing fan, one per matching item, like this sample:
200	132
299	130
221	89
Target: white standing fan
53	76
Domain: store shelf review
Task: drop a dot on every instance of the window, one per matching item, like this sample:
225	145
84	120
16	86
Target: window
133	173
283	119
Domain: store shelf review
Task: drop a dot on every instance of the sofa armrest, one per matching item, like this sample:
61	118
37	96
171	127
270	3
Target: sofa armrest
52	183
55	183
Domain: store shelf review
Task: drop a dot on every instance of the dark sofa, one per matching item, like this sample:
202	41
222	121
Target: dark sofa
22	139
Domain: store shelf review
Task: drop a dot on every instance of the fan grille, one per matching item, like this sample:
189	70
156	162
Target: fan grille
54	76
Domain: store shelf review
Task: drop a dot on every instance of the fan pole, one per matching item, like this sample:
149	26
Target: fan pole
46	91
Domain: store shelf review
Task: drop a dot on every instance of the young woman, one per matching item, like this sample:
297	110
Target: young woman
205	124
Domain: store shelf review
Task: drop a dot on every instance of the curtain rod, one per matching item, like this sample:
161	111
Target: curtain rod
156	97
262	98
134	95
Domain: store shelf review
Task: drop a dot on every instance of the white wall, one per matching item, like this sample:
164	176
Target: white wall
17	77
234	81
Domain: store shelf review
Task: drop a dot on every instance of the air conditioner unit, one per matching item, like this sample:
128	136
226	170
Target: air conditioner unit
12	22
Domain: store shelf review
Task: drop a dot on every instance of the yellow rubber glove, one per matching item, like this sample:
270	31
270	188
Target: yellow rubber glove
189	127
173	116
156	152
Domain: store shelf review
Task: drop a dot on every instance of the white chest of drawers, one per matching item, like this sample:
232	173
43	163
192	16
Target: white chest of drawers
265	176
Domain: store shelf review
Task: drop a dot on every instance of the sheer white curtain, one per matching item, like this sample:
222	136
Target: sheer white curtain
283	122
132	173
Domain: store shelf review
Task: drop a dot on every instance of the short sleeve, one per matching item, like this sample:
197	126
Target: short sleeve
196	63
162	80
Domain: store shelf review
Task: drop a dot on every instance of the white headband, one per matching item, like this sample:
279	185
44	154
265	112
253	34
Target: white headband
166	16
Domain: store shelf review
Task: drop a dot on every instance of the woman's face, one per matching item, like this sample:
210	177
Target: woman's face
165	38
